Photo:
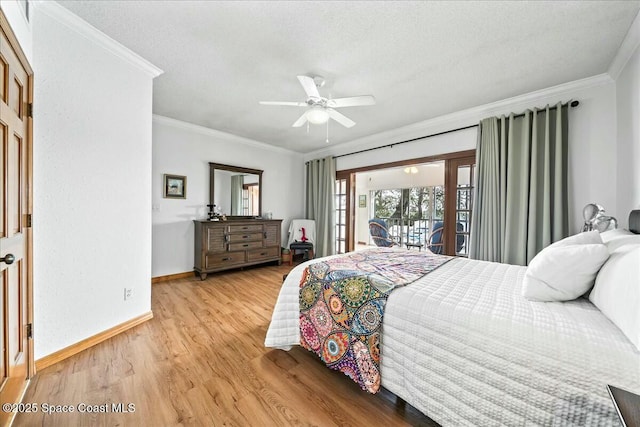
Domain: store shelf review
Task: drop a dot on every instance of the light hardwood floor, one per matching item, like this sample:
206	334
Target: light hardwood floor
201	361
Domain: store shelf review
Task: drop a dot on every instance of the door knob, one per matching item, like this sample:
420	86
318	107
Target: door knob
8	259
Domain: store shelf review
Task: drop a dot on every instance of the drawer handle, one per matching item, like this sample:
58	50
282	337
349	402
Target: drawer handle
226	259
265	234
245	237
263	253
245	228
245	245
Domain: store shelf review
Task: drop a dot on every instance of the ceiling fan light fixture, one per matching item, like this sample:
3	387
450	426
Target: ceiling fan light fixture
317	115
411	170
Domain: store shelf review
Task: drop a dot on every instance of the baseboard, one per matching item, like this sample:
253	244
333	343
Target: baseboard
172	277
76	348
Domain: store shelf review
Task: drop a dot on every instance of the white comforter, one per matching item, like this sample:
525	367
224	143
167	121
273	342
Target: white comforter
464	347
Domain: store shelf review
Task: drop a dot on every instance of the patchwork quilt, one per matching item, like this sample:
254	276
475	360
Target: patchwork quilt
342	303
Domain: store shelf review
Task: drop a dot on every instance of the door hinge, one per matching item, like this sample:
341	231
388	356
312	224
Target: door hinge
30	109
29	330
28	220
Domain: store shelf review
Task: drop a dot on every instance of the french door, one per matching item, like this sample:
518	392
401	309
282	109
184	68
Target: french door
458	205
344	210
421	208
16	93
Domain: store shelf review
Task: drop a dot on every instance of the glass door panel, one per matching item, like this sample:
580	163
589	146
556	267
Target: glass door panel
464	207
341	216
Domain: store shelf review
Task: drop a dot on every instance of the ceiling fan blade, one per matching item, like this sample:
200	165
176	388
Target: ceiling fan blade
340	118
309	86
291	103
301	121
352	101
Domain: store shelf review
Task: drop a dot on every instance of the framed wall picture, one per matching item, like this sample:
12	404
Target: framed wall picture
362	201
175	186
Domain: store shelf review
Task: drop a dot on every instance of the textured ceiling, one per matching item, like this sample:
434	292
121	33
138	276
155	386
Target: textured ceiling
419	59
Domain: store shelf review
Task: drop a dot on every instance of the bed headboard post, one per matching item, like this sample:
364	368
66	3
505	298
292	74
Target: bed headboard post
634	221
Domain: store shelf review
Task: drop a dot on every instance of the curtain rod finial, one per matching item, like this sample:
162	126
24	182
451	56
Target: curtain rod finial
575	103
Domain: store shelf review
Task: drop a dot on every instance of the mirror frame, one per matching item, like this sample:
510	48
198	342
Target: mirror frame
220	166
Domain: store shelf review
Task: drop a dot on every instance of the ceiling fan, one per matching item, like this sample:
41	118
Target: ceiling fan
320	109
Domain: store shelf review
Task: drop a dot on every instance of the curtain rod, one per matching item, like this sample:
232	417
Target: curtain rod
408	140
573	103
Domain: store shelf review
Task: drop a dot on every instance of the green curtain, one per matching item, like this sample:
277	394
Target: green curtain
521	200
237	182
320	203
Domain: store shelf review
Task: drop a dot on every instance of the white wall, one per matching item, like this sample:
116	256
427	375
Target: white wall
92	183
14	11
628	123
185	149
592	136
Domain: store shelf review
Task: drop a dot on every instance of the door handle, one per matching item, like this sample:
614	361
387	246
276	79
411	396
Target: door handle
8	259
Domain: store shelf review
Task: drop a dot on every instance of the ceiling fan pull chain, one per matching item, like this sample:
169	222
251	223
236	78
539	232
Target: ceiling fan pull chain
327	141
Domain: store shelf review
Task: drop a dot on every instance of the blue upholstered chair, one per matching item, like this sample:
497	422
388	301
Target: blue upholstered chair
380	233
435	242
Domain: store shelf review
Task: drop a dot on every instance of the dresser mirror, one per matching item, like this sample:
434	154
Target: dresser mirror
236	191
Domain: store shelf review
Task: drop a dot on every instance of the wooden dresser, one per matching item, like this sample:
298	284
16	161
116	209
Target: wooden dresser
221	245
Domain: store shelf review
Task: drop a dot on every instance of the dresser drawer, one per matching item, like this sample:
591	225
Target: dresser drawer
245	246
245	228
222	260
264	253
245	237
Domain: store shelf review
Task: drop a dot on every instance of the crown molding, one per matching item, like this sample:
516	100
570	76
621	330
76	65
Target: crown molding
627	48
219	135
82	27
466	117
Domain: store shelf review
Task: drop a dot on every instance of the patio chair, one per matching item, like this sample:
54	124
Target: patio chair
435	242
380	233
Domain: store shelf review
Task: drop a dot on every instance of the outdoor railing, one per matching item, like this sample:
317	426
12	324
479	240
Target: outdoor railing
412	231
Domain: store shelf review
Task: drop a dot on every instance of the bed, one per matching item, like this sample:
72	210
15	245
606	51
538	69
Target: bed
462	345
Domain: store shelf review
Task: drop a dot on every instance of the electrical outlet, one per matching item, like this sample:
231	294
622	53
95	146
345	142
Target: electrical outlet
127	293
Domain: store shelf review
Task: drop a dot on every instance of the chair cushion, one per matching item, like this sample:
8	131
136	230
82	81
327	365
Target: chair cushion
301	245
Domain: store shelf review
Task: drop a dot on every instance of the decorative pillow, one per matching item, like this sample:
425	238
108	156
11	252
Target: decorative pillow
617	290
566	269
618	237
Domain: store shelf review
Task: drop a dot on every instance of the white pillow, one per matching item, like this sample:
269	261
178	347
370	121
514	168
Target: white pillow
618	233
618	237
566	269
617	291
